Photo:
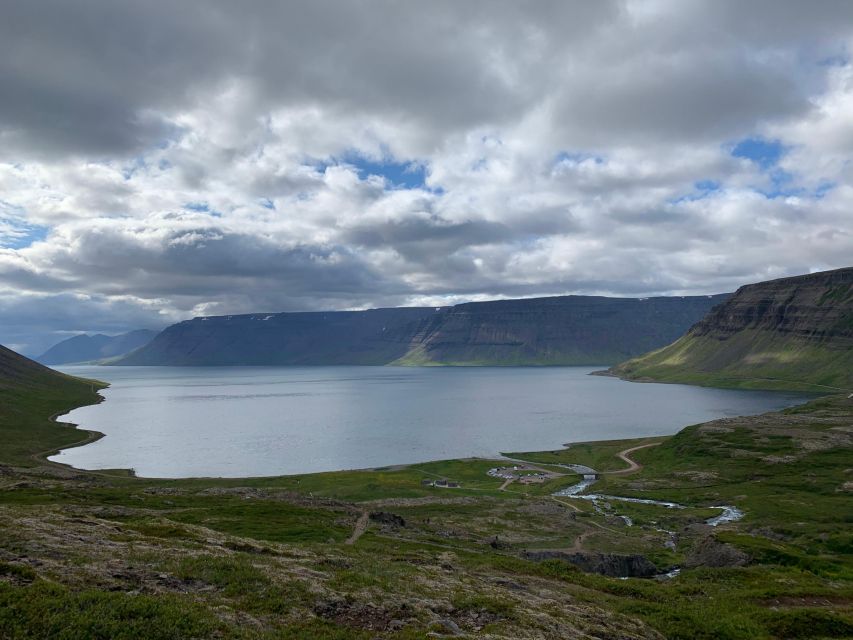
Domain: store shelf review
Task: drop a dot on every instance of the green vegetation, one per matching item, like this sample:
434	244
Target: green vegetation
788	334
29	393
86	555
601	456
750	359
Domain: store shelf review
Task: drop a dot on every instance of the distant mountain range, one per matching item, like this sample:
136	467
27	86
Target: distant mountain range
86	348
564	330
791	333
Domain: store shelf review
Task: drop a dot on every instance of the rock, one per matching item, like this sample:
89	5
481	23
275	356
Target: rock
388	519
450	627
606	564
496	543
710	552
509	584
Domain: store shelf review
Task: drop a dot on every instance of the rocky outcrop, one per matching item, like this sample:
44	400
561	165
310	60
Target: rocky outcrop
710	552
816	307
567	330
606	564
387	519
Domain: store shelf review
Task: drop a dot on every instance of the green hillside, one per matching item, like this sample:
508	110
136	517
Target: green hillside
29	394
793	333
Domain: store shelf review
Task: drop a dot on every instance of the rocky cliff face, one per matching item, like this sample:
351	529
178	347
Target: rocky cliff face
817	307
791	333
373	337
559	330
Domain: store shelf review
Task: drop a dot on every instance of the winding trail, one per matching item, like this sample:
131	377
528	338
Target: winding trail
359	529
633	466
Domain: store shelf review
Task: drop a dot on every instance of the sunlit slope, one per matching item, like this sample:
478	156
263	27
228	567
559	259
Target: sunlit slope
791	333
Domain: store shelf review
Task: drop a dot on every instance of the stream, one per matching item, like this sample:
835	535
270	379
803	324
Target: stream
728	512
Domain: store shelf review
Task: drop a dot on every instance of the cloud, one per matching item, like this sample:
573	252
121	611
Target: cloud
160	161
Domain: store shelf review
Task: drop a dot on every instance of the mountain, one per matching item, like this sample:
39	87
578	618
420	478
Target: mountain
373	337
542	331
791	333
86	348
578	330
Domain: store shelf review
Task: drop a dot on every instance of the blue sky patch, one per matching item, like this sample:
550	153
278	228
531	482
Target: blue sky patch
702	189
408	175
764	153
401	175
23	237
707	186
576	157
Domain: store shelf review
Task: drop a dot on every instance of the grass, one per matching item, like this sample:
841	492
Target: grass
600	456
43	610
749	359
25	430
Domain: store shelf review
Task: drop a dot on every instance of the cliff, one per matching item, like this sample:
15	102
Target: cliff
577	330
791	333
569	330
373	337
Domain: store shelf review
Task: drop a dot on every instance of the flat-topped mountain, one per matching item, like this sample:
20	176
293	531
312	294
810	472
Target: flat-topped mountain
787	333
86	348
578	330
567	330
373	337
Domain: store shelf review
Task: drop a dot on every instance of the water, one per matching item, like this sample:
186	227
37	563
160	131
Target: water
256	421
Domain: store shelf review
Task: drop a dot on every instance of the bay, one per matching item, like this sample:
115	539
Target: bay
175	422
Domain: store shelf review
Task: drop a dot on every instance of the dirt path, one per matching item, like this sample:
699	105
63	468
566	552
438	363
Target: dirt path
578	545
506	483
360	528
633	466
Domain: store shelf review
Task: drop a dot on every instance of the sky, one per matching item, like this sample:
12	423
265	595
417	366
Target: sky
162	160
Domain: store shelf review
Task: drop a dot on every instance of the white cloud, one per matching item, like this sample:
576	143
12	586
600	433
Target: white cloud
215	159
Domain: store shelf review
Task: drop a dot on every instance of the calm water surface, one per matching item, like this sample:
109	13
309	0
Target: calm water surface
254	421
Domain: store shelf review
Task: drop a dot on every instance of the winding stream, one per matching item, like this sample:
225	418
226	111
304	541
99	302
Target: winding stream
728	513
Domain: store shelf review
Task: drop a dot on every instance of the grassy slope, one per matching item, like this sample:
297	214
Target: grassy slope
747	360
29	395
85	555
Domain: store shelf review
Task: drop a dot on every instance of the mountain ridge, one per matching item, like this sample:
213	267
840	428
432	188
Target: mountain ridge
559	330
88	348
